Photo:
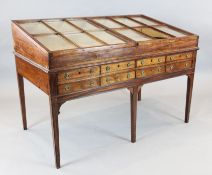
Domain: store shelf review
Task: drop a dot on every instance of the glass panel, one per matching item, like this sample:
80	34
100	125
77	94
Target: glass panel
106	37
62	26
83	40
83	24
55	42
132	34
128	22
108	23
153	33
170	31
144	20
36	28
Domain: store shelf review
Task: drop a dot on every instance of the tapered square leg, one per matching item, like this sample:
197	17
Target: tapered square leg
139	93
133	101
20	81
190	81
55	129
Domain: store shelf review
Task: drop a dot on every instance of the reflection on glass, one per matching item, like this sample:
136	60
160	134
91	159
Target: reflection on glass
83	40
55	42
170	31
127	22
108	23
132	34
85	25
36	28
62	26
144	20
153	33
106	37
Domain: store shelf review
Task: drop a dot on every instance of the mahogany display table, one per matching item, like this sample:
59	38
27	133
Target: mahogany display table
69	58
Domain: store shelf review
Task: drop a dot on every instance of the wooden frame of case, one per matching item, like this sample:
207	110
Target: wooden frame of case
42	67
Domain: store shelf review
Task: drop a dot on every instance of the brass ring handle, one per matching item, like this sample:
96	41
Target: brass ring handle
128	64
107	79
107	68
128	75
91	71
67	87
66	75
171	67
91	83
142	72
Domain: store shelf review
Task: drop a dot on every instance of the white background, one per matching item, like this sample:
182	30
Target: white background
94	135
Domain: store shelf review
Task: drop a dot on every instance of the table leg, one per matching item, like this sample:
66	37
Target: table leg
190	81
55	129
22	99
133	100
139	93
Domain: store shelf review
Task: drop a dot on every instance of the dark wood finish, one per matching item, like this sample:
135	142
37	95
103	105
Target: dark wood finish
190	82
55	129
75	69
139	93
133	102
22	100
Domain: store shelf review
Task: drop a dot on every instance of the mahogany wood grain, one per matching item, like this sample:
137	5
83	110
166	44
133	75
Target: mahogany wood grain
69	74
133	101
190	82
139	93
22	100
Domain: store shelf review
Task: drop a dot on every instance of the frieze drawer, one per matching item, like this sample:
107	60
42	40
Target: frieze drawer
181	56
78	73
108	68
179	66
150	61
78	86
146	72
115	78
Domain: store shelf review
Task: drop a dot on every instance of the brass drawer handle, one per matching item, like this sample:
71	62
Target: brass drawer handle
159	69
128	75
91	83
107	68
66	75
142	72
186	64
107	79
171	67
91	71
187	55
128	64
159	59
142	62
170	58
67	87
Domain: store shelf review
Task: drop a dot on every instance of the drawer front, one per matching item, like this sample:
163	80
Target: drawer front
78	73
108	68
178	66
117	78
150	71
78	86
150	61
182	56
